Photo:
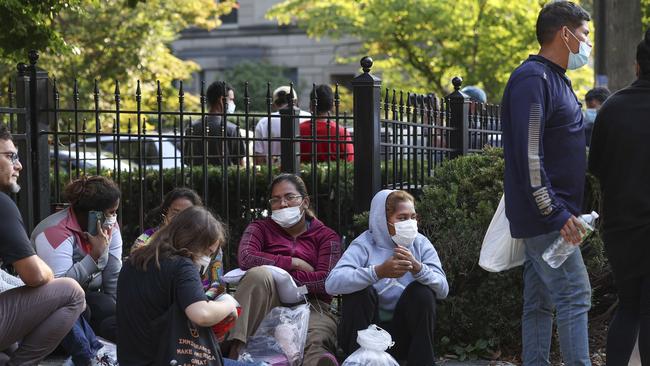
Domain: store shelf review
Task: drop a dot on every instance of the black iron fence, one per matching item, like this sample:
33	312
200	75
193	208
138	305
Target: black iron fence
393	139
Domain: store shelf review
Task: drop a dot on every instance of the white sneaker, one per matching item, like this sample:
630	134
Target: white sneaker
105	357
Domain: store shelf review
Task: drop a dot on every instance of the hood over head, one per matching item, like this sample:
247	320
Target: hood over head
377	220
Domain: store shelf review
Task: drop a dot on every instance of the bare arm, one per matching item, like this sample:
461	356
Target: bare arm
209	313
33	271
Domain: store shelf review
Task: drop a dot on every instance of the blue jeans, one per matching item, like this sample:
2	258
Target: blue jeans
567	288
81	343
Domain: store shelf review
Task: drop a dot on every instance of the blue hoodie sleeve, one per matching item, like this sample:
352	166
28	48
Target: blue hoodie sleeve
351	273
530	105
431	273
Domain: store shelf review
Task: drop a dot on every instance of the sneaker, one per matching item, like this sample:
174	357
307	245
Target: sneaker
104	358
327	359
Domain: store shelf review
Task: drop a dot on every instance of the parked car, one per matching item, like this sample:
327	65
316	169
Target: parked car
67	160
128	149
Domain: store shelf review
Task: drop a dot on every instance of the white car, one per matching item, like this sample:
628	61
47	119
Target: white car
128	149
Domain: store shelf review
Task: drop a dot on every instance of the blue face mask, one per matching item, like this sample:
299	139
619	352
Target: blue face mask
580	59
590	115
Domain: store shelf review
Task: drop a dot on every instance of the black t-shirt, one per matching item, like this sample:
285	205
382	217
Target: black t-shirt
14	243
144	296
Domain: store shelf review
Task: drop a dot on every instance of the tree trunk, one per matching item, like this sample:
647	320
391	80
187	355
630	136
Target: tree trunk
620	35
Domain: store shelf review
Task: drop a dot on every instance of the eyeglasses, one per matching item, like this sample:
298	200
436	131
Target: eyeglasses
13	156
290	198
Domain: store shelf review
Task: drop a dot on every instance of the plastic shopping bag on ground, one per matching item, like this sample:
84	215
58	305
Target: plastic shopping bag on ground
374	342
280	338
500	251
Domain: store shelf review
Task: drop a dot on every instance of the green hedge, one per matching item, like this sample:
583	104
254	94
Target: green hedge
482	315
247	197
481	318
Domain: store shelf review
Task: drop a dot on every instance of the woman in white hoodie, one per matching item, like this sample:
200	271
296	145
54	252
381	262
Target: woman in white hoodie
391	276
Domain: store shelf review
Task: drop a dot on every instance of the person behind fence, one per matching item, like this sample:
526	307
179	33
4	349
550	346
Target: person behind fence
261	145
337	142
594	99
391	276
83	242
166	273
36	309
619	157
545	165
293	239
219	96
174	202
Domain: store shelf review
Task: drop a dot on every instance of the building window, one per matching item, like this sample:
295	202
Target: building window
230	18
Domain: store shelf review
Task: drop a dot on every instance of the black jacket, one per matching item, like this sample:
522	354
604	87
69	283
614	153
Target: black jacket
195	143
620	158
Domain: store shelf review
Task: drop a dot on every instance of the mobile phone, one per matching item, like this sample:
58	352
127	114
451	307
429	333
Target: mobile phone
93	216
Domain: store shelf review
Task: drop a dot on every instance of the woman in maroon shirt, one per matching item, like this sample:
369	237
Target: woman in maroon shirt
295	240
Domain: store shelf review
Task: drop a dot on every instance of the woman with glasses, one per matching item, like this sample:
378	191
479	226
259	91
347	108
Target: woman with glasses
391	276
295	240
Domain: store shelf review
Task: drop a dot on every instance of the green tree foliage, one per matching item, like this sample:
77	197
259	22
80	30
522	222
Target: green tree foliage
645	9
257	74
419	45
109	40
28	24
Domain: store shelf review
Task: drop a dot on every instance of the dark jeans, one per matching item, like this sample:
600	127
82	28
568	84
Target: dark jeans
412	326
632	318
81	343
102	314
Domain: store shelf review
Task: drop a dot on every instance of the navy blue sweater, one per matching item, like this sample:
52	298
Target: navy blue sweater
544	148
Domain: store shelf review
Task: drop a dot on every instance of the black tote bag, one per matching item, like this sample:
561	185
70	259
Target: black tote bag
183	343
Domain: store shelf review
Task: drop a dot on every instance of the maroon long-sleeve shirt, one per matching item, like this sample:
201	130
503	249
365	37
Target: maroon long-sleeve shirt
266	243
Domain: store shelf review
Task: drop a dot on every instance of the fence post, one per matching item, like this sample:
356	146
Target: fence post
458	119
289	147
32	94
366	91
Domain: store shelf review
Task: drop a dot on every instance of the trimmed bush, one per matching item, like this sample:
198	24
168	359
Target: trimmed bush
481	318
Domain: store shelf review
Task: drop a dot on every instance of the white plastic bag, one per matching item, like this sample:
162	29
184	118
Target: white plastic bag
280	338
374	342
635	360
500	251
288	291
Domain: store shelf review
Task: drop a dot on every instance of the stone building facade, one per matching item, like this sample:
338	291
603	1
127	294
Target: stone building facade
247	35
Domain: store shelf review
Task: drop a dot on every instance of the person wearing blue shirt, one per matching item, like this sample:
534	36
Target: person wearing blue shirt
545	164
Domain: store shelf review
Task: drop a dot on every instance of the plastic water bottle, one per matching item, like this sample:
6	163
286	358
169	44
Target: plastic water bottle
561	249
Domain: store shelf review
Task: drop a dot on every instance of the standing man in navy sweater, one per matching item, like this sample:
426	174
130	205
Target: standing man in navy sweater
544	146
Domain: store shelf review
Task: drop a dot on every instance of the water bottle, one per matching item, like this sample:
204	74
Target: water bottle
561	249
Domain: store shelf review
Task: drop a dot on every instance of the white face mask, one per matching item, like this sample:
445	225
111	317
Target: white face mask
590	115
203	263
230	108
580	59
405	232
287	217
110	221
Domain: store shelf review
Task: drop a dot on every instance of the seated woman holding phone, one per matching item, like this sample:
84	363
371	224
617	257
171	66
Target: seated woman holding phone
83	242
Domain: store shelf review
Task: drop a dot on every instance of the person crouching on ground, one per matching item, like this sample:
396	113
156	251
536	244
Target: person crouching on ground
391	276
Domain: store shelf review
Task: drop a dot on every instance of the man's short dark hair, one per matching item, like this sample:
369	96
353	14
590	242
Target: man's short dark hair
599	94
215	91
324	98
4	133
556	15
643	56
